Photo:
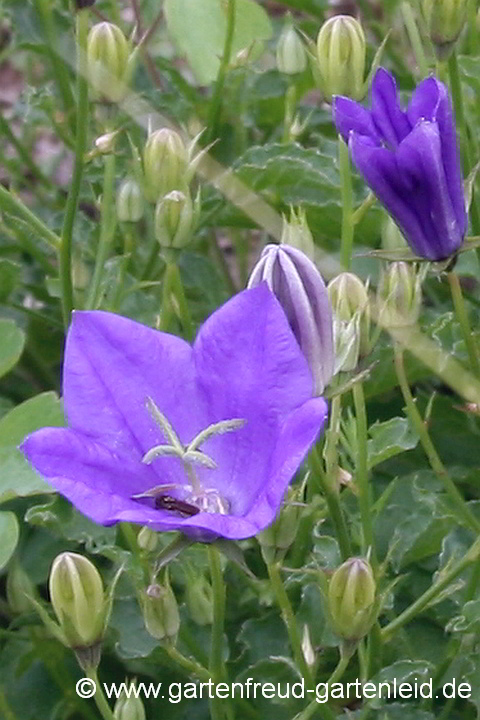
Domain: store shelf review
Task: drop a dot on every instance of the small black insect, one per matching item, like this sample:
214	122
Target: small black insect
167	502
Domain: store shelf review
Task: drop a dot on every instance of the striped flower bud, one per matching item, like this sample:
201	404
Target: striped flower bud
341	57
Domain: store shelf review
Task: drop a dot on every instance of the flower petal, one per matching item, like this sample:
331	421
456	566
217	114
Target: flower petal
420	161
350	116
389	119
112	365
424	101
380	170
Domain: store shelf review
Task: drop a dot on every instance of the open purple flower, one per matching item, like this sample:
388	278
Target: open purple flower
202	439
410	159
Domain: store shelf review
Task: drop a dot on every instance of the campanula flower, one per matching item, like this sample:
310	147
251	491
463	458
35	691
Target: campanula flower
201	439
410	159
300	289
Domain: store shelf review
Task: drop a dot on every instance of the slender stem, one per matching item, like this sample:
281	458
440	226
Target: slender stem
329	489
99	697
290	621
362	209
290	105
107	229
433	591
462	317
346	244
473	39
216	666
463	511
191	666
342	665
415	39
216	100
363	485
468	162
315	707
80	144
11	204
179	293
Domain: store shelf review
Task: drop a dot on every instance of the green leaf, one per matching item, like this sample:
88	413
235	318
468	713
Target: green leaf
10	273
16	475
9	533
413	672
199	28
11	347
390	438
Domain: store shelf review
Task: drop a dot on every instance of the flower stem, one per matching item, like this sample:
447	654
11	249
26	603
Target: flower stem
347	204
192	667
473	39
173	291
462	317
468	162
464	514
216	100
330	491
216	665
290	105
363	485
290	621
415	39
80	144
99	697
107	229
429	595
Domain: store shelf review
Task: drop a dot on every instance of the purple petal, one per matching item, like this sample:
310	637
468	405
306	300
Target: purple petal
389	119
112	365
380	170
424	101
350	116
420	160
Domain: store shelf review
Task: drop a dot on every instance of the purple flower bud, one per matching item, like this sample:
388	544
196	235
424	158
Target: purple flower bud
410	159
298	286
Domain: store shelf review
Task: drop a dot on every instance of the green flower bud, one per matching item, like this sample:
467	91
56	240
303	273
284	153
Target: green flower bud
276	539
109	61
399	295
291	53
165	164
296	233
160	612
351	320
341	57
76	594
130	205
19	589
147	539
199	599
175	219
445	21
105	144
129	708
351	599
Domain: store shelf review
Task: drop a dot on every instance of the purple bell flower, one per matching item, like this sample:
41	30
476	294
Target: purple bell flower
201	439
410	159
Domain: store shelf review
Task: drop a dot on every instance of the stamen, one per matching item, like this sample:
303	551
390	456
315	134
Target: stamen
162	421
220	428
160	451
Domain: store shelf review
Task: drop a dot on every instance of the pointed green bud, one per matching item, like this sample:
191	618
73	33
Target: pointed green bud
109	62
399	295
175	219
129	708
351	599
160	612
130	204
77	597
199	598
147	539
341	57
291	53
351	320
445	21
165	164
296	233
19	589
277	538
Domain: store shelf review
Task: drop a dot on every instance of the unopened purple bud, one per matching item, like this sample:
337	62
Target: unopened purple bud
299	287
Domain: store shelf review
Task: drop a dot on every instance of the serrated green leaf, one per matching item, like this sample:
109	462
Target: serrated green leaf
9	533
199	28
17	478
390	438
11	345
